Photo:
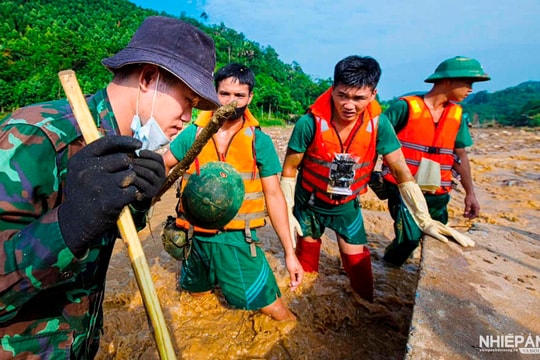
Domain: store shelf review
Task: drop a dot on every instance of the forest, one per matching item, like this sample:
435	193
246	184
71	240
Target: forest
39	38
514	106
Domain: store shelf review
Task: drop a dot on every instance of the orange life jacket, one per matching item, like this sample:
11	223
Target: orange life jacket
319	157
240	153
422	138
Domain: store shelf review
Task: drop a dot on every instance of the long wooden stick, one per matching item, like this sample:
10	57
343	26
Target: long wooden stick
218	118
125	224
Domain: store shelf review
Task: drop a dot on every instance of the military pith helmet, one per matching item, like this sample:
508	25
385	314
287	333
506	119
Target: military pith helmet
213	197
459	67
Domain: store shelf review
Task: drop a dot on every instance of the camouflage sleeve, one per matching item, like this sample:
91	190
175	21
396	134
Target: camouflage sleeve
33	254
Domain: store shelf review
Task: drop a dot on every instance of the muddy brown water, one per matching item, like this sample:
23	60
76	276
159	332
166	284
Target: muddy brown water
332	322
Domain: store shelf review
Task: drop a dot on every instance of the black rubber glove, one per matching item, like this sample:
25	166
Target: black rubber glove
150	171
100	182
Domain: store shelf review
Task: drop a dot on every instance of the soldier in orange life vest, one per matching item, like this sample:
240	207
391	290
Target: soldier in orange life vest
230	257
333	150
433	137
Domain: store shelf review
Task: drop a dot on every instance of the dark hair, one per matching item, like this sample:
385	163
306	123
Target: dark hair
357	71
242	73
123	73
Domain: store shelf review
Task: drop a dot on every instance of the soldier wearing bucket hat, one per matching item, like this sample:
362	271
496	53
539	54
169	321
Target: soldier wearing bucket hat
171	53
434	137
61	199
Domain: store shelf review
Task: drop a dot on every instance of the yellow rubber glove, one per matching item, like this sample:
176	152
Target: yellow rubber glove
416	203
287	185
437	227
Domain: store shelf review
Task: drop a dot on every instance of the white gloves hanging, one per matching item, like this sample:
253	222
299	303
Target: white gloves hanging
287	185
416	203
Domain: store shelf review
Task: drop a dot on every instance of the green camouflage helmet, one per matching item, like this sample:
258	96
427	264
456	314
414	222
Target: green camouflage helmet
459	67
212	198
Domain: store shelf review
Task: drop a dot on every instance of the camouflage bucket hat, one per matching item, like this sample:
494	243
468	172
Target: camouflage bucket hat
459	67
212	198
178	47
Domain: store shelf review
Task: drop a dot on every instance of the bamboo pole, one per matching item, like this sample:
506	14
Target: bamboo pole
125	224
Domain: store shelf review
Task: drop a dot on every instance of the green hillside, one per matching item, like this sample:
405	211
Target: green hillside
42	37
514	106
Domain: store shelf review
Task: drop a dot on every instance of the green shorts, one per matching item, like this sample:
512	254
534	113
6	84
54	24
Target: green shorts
348	224
246	282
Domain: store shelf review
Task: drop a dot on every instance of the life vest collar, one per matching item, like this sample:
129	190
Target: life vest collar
322	107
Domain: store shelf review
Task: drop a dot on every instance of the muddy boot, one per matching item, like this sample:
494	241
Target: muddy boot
308	254
397	253
358	268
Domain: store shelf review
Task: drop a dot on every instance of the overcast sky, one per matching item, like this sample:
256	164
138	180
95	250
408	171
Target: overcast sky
408	38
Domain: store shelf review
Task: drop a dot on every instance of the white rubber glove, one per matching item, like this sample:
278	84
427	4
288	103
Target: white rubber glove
416	203
287	185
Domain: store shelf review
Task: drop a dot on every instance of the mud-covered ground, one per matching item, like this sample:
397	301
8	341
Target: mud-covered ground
332	322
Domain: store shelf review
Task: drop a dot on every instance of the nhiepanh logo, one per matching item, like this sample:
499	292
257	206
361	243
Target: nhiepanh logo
525	344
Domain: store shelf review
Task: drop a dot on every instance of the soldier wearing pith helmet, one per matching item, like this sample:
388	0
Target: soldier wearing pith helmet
459	67
434	138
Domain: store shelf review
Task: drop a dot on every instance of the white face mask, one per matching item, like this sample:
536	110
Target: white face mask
150	134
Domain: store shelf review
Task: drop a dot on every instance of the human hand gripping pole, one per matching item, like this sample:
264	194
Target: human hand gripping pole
416	203
100	182
115	150
287	185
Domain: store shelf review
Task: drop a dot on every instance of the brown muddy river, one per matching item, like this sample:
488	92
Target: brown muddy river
331	324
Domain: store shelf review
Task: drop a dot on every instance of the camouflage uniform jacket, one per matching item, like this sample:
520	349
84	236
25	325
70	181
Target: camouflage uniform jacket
50	301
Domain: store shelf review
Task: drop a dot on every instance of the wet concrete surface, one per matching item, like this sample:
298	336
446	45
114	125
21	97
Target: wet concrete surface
465	297
468	300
